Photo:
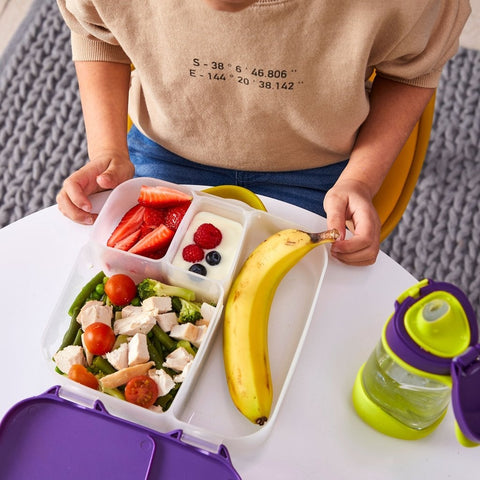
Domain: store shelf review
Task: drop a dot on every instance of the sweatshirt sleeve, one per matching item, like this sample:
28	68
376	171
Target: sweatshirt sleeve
419	57
91	39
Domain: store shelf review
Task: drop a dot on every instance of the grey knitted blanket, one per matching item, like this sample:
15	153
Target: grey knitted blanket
42	141
439	234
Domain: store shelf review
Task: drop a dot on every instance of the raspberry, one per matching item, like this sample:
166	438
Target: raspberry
192	253
207	236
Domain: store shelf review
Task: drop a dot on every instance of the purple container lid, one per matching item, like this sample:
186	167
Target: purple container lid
405	348
48	438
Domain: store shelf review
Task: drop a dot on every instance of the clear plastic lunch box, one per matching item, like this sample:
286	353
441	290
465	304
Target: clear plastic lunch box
202	417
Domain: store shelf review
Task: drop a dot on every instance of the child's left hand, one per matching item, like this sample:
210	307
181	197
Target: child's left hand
349	203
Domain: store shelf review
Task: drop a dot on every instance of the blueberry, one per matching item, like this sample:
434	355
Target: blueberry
213	258
198	268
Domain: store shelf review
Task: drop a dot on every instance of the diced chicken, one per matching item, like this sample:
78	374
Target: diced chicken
136	323
88	354
95	311
130	310
118	358
201	322
71	355
187	331
182	376
157	304
208	312
163	380
121	377
166	321
138	350
178	359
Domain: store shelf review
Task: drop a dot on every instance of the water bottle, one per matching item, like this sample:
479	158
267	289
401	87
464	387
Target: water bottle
425	358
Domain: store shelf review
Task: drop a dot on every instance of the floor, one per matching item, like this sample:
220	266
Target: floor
13	11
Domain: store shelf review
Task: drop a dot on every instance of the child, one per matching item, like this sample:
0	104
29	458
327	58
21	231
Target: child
272	95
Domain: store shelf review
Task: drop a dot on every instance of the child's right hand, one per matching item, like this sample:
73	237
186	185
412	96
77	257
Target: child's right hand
97	175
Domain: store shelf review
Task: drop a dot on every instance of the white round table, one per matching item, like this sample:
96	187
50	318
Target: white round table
317	433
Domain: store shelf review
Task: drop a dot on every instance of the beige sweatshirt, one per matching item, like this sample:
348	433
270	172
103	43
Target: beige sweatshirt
280	85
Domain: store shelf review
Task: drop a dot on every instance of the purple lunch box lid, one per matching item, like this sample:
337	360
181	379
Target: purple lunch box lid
48	438
405	348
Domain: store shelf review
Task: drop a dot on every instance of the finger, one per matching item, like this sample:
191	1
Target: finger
356	243
75	193
335	211
363	257
70	210
363	247
82	183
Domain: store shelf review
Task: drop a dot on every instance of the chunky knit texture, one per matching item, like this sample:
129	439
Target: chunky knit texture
42	137
439	234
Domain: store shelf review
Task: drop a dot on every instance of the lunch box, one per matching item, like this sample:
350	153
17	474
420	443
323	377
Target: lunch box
202	420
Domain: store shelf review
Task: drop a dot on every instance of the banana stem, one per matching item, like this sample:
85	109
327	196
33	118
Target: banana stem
326	236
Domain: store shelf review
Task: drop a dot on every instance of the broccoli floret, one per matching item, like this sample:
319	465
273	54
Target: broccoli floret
187	311
153	288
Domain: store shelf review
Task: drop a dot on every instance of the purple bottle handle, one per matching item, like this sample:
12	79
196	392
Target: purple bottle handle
465	371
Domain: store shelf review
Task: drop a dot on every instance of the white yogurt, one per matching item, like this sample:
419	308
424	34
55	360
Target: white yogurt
228	247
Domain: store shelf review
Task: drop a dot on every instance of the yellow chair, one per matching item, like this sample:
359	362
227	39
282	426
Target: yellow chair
397	188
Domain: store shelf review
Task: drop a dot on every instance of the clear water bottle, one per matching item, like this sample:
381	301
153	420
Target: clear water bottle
404	388
414	400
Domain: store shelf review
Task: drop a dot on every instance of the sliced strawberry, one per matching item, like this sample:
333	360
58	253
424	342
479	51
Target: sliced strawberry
145	230
129	241
129	223
174	215
161	196
154	217
156	254
157	239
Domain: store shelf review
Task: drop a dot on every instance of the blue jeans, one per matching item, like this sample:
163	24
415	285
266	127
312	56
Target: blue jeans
305	188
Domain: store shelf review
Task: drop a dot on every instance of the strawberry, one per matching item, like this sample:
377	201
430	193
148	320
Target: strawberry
193	253
145	230
129	223
207	236
153	217
174	215
161	196
157	239
156	254
129	241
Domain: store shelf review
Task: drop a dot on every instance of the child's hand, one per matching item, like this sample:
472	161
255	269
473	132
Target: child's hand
350	203
97	175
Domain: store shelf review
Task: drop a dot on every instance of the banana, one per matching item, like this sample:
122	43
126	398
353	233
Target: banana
247	309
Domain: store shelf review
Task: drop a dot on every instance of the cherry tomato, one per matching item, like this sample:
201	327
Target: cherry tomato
141	390
99	338
120	289
78	373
